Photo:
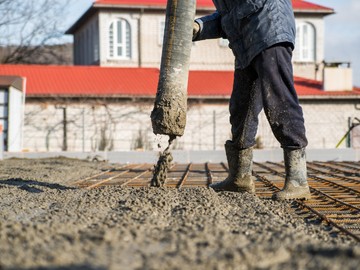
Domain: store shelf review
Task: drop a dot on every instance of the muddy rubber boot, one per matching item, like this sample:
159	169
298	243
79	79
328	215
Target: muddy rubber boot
240	177
296	185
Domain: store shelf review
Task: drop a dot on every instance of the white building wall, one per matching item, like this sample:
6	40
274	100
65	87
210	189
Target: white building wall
205	55
122	126
326	123
88	126
127	126
151	41
210	55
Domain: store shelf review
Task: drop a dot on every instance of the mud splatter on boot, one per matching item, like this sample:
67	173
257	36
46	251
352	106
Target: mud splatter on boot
162	167
240	177
296	185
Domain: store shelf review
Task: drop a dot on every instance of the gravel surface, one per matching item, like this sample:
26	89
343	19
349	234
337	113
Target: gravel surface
47	224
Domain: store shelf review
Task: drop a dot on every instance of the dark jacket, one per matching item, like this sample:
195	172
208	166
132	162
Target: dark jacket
250	26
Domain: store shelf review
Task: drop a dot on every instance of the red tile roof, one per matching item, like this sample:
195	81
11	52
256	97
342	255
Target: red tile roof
297	4
150	3
205	5
300	5
96	81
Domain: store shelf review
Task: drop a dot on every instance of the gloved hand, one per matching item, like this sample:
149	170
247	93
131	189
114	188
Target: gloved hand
196	30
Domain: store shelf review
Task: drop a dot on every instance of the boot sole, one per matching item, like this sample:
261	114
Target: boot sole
237	189
290	198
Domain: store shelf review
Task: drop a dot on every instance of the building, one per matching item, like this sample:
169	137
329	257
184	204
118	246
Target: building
12	100
103	102
90	108
127	33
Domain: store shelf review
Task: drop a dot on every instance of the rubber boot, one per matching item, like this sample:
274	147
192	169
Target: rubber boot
296	185
240	177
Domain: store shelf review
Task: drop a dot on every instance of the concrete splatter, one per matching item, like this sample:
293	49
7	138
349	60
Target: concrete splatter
163	165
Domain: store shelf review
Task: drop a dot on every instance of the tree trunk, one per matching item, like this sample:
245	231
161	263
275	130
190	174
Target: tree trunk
169	114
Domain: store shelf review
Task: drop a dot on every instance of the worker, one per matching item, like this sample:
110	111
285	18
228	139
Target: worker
261	34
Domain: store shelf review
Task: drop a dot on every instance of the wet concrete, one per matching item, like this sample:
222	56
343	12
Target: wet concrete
163	165
47	224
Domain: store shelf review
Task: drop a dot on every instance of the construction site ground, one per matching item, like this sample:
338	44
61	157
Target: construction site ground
61	213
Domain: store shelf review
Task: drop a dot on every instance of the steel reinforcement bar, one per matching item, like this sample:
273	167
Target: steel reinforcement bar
335	197
335	187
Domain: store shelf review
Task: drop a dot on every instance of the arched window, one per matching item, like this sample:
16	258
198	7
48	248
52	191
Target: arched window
120	39
305	43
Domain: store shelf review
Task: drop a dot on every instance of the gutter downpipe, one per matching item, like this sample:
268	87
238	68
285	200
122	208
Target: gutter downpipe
23	118
139	38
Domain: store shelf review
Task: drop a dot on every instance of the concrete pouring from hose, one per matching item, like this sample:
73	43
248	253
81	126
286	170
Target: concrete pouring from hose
169	113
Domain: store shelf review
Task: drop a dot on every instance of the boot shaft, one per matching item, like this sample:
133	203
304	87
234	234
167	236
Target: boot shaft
295	166
231	155
240	177
296	186
239	160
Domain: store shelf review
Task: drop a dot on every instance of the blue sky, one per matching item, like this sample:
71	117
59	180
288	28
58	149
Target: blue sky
342	30
342	33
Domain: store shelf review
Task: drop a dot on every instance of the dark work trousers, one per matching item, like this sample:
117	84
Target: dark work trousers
267	83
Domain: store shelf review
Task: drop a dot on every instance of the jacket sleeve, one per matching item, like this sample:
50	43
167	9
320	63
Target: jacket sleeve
210	27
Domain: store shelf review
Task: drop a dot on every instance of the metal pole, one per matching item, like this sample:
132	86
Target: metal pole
1	143
23	112
169	114
65	147
214	130
139	20
83	130
348	137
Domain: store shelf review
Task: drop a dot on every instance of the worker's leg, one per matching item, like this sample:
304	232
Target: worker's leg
243	118
245	106
280	100
285	116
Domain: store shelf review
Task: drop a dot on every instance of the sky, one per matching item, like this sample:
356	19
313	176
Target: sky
342	33
342	30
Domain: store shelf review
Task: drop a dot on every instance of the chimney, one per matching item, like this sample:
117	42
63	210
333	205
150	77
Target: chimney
337	76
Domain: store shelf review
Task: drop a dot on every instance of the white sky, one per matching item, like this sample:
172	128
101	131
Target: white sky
342	30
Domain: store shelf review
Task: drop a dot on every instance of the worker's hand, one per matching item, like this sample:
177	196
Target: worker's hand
196	30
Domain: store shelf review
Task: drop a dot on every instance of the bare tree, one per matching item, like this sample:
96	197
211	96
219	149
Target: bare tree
30	29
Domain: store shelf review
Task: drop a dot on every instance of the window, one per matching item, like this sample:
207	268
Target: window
305	43
120	39
161	31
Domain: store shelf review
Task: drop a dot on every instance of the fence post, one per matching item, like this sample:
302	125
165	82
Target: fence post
1	143
348	138
214	130
83	130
